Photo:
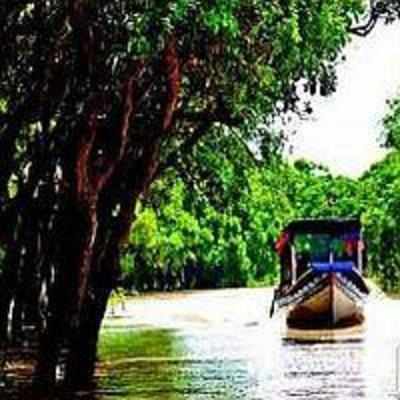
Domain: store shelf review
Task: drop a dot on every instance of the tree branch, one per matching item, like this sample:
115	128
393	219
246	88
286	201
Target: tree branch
377	9
365	29
119	143
173	77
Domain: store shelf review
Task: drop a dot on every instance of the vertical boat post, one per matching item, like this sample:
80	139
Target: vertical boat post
331	260
332	287
293	264
360	253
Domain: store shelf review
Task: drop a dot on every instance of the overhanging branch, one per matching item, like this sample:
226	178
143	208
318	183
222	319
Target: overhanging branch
365	29
378	9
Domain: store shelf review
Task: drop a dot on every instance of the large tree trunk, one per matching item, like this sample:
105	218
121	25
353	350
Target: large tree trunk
81	361
82	355
104	269
106	166
75	231
122	187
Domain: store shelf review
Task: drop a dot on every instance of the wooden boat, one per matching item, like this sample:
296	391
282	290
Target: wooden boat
322	263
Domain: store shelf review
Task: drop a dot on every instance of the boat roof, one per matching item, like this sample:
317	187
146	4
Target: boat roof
326	225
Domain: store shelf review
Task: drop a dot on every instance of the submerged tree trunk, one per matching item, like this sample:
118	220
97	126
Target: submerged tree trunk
7	291
83	346
48	358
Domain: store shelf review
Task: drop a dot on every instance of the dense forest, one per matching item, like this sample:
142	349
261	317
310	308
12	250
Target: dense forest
218	228
103	103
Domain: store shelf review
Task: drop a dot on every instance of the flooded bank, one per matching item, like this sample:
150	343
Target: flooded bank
222	345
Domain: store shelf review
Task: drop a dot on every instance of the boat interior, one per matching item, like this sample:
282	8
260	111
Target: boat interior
315	247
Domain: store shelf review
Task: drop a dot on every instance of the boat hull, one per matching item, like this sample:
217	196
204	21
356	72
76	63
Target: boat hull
328	301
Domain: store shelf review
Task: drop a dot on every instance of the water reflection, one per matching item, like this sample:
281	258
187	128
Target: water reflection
241	355
323	371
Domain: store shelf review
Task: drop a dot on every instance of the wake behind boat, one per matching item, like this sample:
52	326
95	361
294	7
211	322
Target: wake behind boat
322	263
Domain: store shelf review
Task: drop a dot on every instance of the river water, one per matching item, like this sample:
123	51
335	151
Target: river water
222	345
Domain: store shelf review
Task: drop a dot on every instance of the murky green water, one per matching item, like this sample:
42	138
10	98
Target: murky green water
221	345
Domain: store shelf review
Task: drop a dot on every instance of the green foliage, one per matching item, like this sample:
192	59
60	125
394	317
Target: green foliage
224	222
227	237
381	217
391	135
254	53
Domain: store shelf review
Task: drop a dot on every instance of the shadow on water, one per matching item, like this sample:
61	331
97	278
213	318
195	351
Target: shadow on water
135	364
159	364
141	364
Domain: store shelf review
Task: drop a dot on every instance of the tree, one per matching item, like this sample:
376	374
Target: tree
380	206
97	100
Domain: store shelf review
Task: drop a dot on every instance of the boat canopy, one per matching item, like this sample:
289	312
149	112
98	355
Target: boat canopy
321	245
335	226
331	226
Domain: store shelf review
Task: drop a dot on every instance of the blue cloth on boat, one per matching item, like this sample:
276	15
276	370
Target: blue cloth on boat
337	266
